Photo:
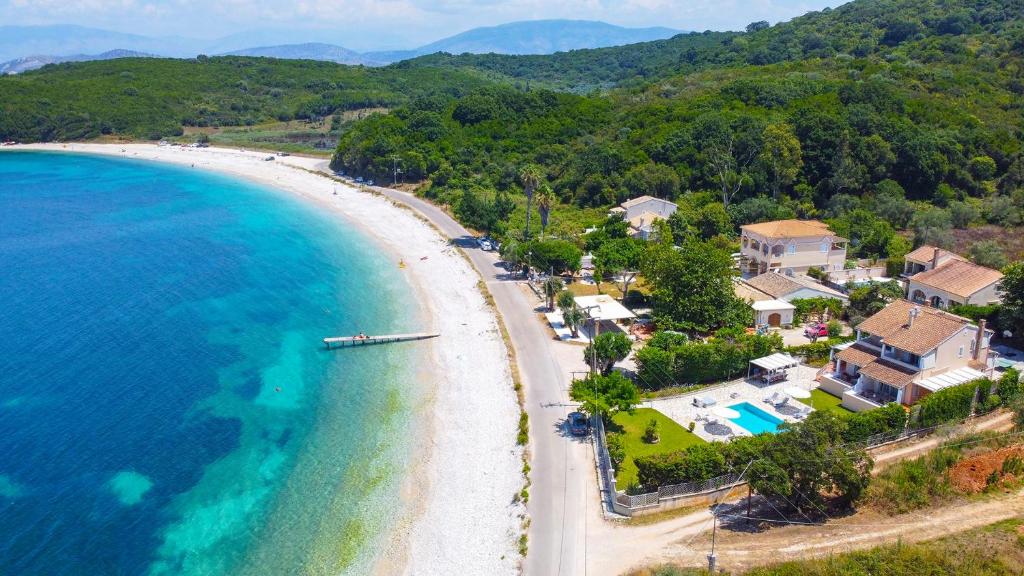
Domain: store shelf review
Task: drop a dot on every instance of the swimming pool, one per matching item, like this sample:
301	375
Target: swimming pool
754	419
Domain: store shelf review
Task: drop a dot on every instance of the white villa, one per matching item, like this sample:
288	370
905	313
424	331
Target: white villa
790	246
940	279
642	212
906	352
770	295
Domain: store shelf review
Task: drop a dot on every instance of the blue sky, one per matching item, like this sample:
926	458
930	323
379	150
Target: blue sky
386	23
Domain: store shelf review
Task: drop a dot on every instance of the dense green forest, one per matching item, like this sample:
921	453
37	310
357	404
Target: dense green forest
852	114
151	98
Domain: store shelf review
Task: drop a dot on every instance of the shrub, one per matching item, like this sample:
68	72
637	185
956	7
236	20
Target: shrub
815	351
651	432
1008	387
835	329
616	450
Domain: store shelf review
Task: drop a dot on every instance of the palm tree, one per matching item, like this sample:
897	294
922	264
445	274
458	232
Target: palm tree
545	200
552	286
573	318
530	177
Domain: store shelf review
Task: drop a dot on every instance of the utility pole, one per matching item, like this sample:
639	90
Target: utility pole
593	337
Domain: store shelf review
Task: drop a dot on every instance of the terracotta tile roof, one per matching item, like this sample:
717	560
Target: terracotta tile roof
781	285
925	253
789	229
890	374
931	327
745	291
858	354
773	283
958	277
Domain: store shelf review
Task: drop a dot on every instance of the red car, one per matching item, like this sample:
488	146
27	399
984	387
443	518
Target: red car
816	330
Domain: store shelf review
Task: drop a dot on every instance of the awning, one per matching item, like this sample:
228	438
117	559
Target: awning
603	307
775	362
958	376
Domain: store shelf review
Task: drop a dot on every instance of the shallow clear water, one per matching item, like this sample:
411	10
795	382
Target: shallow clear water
754	419
165	404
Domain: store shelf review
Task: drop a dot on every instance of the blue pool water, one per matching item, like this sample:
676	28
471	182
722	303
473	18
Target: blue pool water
754	419
166	406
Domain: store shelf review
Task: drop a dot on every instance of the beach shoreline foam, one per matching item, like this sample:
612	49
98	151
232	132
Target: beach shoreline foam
458	513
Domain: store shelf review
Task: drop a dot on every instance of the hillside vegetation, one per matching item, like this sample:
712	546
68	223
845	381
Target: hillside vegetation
152	98
852	114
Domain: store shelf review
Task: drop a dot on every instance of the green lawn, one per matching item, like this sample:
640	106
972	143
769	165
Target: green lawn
821	400
673	438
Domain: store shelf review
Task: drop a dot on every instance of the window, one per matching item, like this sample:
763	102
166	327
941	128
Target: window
791	249
825	246
960	352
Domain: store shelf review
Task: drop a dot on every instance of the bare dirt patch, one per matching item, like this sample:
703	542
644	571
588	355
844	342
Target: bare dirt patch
974	474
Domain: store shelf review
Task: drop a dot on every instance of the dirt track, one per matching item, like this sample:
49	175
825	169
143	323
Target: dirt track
615	549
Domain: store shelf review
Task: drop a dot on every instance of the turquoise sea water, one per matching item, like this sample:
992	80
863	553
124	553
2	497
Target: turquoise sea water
165	404
754	419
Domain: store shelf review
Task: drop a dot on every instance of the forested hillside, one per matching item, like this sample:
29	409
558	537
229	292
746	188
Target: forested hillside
150	98
865	110
859	29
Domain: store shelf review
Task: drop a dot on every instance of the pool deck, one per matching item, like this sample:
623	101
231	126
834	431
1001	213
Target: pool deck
681	408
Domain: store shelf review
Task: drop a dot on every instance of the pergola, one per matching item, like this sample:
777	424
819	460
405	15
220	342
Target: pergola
602	308
773	364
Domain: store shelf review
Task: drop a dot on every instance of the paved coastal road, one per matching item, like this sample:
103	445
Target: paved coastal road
561	465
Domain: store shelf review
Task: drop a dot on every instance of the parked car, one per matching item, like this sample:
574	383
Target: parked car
359	179
369	182
485	244
578	424
268	159
816	330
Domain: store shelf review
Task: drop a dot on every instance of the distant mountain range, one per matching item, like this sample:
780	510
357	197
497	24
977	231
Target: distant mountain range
29	47
310	51
32	62
532	37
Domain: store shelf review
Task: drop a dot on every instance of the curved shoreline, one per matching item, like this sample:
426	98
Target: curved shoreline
457	514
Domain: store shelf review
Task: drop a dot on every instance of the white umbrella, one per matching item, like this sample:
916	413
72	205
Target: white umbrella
797	392
723	412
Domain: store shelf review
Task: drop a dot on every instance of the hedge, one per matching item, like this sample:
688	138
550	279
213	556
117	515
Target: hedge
885	420
819	350
953	403
697	463
666	361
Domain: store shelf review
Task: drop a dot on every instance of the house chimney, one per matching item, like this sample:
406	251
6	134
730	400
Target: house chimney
914	312
935	259
979	339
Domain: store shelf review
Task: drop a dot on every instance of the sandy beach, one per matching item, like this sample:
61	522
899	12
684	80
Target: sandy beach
458	515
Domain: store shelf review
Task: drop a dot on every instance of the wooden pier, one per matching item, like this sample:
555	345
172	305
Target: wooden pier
344	341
